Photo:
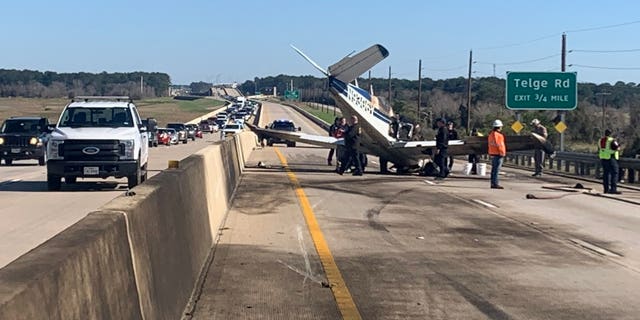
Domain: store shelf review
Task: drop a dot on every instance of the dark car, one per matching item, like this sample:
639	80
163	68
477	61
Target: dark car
181	130
152	128
23	138
191	131
282	125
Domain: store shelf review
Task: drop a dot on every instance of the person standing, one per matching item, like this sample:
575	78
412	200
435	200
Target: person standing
332	133
351	143
608	153
453	135
538	153
442	143
473	158
339	134
497	152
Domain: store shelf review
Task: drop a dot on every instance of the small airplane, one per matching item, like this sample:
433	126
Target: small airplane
406	156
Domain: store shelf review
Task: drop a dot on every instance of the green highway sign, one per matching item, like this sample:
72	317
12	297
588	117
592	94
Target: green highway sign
541	91
291	95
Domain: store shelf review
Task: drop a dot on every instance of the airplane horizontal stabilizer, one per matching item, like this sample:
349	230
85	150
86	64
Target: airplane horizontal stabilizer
350	68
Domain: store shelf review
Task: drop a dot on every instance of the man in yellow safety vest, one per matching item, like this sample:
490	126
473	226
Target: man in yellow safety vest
608	153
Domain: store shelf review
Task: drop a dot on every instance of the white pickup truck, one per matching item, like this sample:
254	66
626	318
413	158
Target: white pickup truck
98	137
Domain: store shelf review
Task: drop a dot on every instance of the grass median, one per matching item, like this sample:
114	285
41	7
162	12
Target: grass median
163	109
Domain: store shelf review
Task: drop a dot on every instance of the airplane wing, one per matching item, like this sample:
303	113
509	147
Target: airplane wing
472	145
317	140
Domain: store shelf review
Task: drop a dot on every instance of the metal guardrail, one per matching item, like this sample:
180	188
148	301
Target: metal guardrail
581	164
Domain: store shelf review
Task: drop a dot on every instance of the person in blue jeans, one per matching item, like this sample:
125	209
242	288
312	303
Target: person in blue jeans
497	152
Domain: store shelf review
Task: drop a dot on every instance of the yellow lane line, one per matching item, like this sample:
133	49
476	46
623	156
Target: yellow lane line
340	291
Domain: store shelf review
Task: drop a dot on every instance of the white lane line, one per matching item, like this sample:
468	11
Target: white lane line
595	248
486	204
429	182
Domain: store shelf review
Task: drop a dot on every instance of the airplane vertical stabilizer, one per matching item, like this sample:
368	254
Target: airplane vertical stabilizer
350	68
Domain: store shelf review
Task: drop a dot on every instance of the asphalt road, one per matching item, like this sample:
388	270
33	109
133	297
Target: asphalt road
31	215
407	247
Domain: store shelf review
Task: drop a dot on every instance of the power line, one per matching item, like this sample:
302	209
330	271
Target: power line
604	27
604	51
448	69
520	43
521	62
607	68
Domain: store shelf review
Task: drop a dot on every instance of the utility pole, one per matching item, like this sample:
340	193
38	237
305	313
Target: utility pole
469	94
563	67
389	86
141	87
418	118
604	105
370	84
494	70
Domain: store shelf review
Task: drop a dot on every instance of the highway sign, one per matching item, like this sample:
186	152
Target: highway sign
517	126
560	127
291	95
541	91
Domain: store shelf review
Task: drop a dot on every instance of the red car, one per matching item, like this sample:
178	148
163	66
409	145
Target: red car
164	137
198	133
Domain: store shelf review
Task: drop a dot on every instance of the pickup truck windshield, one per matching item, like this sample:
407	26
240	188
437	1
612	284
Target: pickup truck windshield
96	117
32	127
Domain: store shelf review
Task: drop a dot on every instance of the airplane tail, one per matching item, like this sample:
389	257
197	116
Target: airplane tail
350	68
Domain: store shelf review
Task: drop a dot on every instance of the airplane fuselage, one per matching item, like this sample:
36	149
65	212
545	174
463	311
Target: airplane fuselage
353	100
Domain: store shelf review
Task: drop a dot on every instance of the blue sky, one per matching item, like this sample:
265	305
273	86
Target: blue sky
198	40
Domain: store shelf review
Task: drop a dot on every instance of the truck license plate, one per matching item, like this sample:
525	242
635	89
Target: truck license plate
15	150
91	171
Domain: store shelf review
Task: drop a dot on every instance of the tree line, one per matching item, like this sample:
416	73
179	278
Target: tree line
448	98
48	84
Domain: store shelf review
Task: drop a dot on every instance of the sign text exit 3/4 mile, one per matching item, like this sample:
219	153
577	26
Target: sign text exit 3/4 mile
541	90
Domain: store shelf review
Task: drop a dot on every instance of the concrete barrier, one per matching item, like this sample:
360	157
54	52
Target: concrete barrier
140	255
85	272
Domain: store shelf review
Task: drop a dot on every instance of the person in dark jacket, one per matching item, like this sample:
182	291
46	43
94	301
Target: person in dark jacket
351	143
453	135
442	143
332	133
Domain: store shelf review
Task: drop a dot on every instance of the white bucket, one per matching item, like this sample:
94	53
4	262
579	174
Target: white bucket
467	168
482	169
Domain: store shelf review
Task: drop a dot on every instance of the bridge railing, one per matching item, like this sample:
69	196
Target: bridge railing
581	164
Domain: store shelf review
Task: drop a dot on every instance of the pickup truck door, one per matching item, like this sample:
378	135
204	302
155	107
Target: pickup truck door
144	138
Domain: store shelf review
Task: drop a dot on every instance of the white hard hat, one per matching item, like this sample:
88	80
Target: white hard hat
535	122
497	123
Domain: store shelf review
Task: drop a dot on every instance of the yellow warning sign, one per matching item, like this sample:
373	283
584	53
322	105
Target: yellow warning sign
561	127
517	126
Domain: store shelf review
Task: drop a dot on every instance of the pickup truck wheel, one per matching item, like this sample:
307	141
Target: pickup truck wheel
185	141
134	179
144	173
53	182
8	161
70	179
41	161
